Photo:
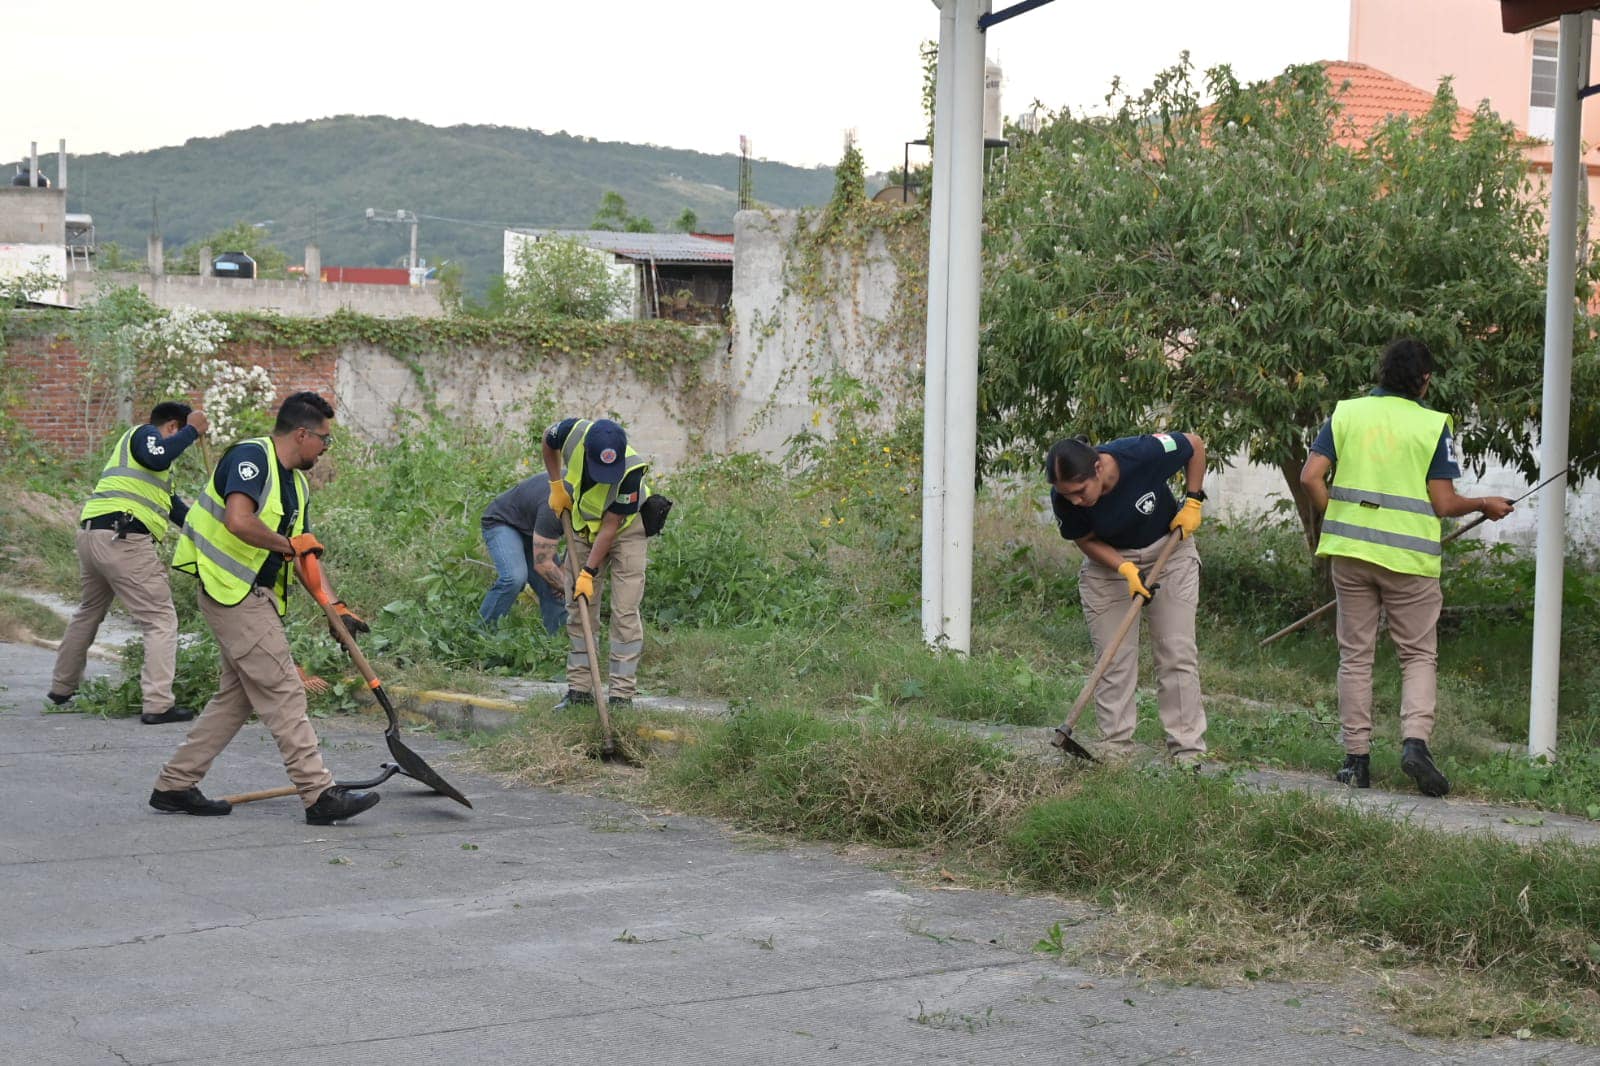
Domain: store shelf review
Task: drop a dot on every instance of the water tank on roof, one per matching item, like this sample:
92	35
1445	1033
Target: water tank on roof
233	265
22	177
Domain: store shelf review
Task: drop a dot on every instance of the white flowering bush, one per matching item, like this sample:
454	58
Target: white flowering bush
231	393
174	349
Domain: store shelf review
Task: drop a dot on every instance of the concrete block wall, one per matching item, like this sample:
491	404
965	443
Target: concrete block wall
376	391
780	341
300	299
32	216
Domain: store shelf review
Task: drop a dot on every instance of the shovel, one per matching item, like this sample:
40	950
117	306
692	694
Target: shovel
608	742
1063	734
406	761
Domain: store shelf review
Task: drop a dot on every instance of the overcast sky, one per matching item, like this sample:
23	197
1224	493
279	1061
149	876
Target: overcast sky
115	76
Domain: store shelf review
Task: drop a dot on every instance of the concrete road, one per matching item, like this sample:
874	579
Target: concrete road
538	928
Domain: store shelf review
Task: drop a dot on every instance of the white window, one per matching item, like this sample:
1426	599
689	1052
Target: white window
1542	89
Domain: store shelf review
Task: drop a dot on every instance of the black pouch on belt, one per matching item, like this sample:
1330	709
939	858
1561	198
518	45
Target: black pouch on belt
653	513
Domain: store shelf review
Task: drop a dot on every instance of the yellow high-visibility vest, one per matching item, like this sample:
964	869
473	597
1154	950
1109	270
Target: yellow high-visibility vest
1378	506
590	508
128	485
227	566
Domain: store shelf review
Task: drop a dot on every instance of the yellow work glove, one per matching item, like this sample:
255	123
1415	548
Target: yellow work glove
1130	571
1187	518
560	498
583	588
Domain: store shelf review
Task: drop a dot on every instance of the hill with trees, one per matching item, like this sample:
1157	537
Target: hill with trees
296	180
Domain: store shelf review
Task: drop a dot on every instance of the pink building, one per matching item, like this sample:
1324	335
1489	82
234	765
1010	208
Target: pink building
1421	41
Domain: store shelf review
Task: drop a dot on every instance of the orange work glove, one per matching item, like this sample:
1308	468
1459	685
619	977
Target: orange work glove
353	622
583	588
1130	571
560	498
1188	517
305	544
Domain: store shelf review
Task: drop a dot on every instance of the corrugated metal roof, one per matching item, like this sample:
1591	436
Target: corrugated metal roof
662	247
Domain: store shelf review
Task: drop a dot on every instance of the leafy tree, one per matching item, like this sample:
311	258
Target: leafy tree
612	214
559	278
1234	271
271	262
849	179
687	222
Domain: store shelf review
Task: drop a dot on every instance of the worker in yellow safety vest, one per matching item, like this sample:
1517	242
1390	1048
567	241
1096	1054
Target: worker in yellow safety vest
119	531
597	476
1393	479
242	538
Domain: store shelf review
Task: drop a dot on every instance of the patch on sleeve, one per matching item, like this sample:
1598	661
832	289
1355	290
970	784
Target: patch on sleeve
627	497
248	471
1168	442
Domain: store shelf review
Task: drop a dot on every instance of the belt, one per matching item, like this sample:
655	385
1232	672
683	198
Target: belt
123	523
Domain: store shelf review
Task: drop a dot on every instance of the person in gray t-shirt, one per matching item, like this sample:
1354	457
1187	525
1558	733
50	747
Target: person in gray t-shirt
522	533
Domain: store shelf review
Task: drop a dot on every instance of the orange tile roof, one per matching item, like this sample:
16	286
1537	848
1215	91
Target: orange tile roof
1369	96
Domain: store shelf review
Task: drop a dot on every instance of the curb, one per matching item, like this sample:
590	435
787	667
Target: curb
489	714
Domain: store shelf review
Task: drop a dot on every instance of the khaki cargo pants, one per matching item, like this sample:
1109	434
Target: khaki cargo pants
258	675
1170	616
1412	603
625	566
129	569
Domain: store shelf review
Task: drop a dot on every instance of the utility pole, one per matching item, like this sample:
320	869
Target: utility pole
402	216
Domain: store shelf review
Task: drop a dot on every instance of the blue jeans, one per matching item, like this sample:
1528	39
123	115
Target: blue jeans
512	554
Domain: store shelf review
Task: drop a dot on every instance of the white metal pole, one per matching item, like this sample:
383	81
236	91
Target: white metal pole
933	398
412	262
1560	306
961	383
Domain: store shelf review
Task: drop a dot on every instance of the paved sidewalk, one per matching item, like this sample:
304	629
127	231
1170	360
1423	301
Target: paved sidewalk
540	928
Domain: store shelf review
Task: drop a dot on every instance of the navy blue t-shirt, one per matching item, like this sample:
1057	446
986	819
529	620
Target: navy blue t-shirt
244	469
1443	466
155	452
1139	510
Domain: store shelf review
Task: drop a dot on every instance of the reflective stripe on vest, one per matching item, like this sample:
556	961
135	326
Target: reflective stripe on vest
591	507
1378	504
227	566
124	485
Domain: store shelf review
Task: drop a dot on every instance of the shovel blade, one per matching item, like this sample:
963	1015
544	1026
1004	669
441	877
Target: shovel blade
1063	740
410	763
413	766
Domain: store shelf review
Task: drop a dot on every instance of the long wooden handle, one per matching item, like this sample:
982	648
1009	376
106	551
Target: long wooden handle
264	794
607	742
1331	604
1129	620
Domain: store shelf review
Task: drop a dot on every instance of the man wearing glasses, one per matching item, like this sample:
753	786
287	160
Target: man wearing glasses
241	539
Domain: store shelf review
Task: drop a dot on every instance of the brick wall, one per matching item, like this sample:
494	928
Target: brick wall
50	402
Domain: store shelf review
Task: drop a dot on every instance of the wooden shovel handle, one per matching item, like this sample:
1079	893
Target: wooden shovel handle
608	743
1129	620
264	794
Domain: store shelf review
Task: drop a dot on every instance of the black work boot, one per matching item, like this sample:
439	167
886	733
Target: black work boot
1356	771
187	801
574	698
620	703
339	804
58	699
1418	765
171	714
